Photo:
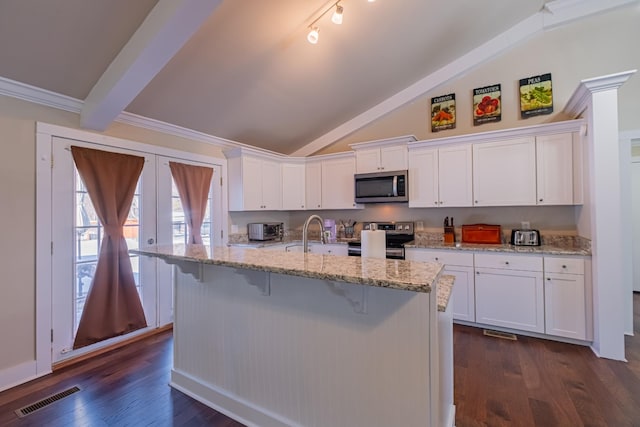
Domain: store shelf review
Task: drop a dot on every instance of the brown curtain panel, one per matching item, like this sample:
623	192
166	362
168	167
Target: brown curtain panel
193	183
112	307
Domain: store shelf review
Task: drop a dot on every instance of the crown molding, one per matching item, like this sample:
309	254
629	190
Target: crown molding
25	92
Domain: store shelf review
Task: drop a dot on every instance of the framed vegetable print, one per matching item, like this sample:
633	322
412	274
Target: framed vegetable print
487	105
536	96
443	112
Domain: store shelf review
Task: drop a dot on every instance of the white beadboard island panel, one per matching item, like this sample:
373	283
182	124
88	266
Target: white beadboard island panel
273	349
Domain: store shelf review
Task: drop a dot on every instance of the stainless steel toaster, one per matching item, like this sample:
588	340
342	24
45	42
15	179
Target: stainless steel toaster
525	237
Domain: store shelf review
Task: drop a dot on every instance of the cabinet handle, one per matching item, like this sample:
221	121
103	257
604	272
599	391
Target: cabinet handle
506	262
540	199
549	279
564	266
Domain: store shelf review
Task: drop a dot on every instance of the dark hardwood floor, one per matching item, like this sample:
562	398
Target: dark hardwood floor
529	382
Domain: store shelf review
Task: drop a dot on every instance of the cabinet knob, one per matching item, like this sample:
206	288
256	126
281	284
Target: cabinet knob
540	199
302	206
506	262
564	266
475	201
436	258
549	279
478	273
435	202
318	205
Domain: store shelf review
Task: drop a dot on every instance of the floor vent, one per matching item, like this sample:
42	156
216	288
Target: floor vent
30	409
498	334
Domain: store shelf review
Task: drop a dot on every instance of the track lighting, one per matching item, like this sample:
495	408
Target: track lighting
337	15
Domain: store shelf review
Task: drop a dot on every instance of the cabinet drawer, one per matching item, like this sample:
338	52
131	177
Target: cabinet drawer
444	257
511	262
564	265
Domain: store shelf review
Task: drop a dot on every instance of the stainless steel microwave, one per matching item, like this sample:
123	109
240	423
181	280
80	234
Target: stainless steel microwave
382	187
265	230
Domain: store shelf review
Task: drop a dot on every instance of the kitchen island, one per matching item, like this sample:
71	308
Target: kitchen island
278	339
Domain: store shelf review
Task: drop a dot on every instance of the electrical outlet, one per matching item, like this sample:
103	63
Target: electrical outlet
525	224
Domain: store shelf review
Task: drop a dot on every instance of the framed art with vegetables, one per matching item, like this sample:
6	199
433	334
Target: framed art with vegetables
443	112
536	96
487	106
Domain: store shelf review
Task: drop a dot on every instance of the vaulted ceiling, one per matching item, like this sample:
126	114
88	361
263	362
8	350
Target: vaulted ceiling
241	69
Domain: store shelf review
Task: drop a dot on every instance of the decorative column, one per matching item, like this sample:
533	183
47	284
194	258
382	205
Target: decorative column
601	218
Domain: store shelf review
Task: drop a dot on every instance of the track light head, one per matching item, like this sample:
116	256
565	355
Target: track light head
337	15
313	35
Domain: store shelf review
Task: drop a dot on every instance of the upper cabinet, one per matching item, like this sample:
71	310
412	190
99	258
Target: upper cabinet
293	186
554	164
383	155
440	177
313	185
254	182
338	187
504	172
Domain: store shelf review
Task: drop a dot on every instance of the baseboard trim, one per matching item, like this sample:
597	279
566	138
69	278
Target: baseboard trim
226	403
18	374
81	358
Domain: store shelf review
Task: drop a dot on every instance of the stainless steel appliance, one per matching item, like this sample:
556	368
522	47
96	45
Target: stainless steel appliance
525	237
397	235
382	187
265	231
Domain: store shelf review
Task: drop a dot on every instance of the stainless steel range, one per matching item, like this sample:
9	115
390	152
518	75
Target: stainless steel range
397	235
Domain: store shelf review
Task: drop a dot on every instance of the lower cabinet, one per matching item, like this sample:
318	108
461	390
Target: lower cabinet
510	291
459	265
565	298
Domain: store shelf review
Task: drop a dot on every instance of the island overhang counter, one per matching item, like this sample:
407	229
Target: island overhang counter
293	339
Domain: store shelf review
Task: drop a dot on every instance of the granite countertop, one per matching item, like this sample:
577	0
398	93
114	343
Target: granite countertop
541	250
267	243
396	274
445	288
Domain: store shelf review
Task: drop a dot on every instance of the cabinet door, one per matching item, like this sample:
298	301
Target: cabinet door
554	164
368	160
393	158
464	295
252	184
455	179
511	299
338	188
504	173
565	305
423	178
271	185
313	185
293	186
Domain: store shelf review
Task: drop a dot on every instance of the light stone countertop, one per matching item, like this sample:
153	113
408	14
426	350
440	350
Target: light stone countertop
445	288
533	250
395	274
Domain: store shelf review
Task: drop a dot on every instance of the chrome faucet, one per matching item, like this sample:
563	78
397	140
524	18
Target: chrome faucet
305	231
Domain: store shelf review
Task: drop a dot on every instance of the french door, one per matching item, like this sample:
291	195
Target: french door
155	217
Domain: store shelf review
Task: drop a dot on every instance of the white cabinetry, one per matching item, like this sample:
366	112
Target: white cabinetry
382	155
554	161
293	186
565	298
504	172
338	189
441	177
459	265
254	182
313	185
510	291
381	159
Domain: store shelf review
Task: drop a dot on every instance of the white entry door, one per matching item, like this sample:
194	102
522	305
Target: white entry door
635	221
76	239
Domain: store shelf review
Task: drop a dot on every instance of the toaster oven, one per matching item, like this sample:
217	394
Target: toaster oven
265	231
